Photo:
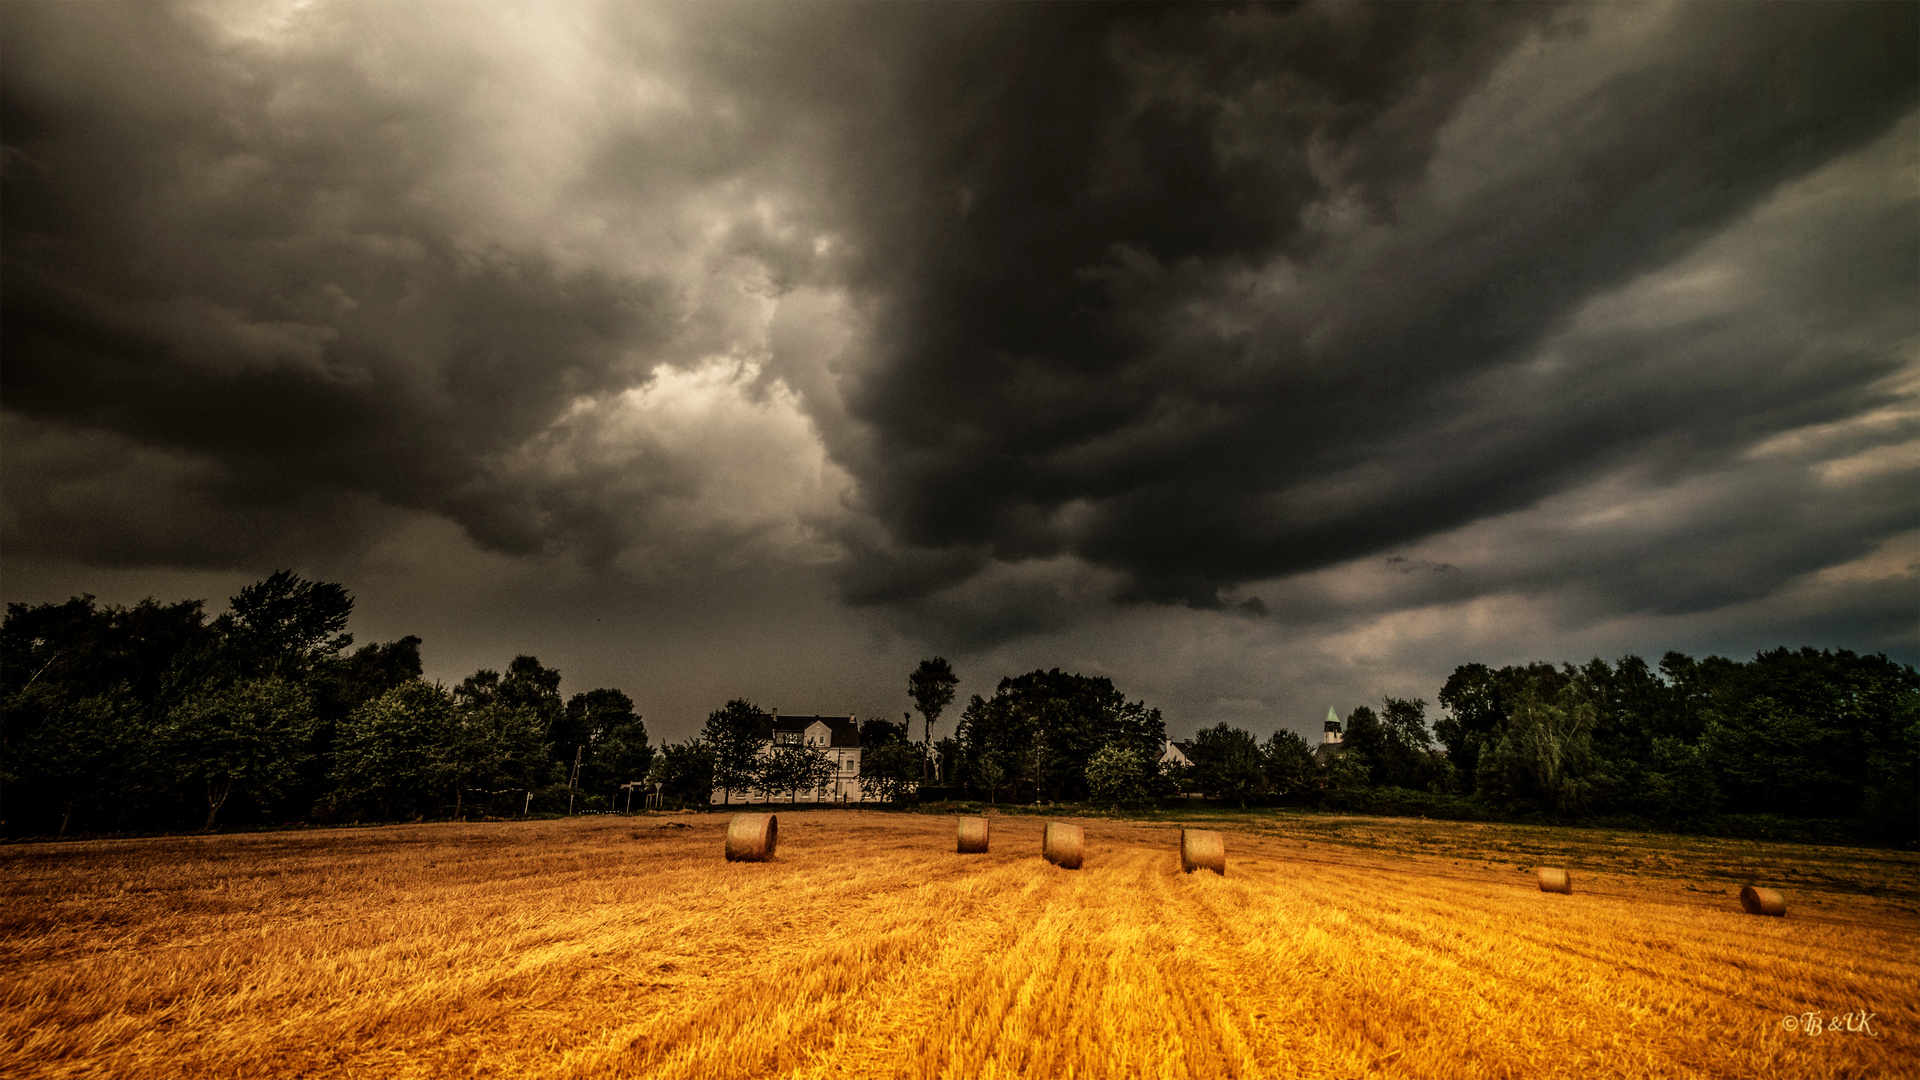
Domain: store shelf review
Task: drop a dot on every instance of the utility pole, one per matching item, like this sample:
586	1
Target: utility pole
573	778
1036	770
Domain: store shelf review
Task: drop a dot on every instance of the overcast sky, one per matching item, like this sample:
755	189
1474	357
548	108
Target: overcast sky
1261	359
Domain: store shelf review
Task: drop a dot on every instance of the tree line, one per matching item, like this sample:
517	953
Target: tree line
157	717
1811	735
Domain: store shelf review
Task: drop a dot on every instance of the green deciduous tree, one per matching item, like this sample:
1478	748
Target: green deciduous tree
793	769
1227	764
684	771
1045	726
531	685
1677	782
1544	754
340	685
70	749
81	686
989	774
892	770
286	624
250	737
89	650
875	731
1291	769
1116	774
1478	701
399	750
496	747
1814	733
1348	771
733	735
351	681
1407	755
617	748
1365	740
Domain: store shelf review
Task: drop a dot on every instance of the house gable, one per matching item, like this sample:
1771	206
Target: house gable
825	732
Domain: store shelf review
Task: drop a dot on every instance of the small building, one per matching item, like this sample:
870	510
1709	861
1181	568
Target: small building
1175	753
838	737
1329	747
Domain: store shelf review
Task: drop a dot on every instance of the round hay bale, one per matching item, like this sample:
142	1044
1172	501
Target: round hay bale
1553	879
1202	849
1065	845
1763	901
752	837
973	835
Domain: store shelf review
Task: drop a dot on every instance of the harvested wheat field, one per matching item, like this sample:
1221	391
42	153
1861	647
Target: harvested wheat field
606	947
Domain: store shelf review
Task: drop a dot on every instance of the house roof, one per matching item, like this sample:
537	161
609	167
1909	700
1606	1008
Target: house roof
844	730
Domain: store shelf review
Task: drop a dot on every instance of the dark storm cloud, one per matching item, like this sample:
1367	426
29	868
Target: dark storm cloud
1071	370
1130	301
1074	185
231	259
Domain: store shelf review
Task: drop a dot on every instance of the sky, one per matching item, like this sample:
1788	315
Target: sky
1261	359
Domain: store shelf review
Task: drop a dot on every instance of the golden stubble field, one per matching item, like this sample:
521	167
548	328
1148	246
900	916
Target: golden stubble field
603	947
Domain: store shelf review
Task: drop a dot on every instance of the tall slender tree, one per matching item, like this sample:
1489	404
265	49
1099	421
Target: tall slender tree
931	687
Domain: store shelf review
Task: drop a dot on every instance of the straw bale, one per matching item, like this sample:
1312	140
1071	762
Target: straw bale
1553	879
752	837
1760	901
1203	849
1065	845
973	835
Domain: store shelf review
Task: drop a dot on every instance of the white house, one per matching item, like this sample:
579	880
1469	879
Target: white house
838	737
1175	752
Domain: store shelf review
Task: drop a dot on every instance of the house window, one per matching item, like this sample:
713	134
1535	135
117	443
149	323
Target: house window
786	738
